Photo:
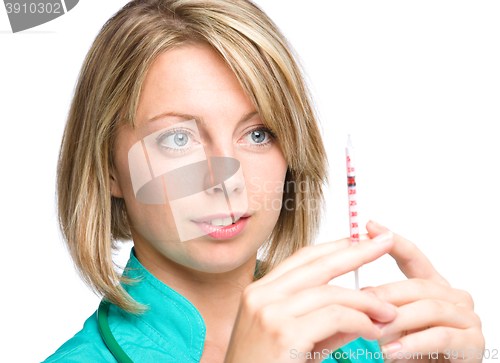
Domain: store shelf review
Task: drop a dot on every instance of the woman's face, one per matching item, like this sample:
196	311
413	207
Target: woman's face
206	117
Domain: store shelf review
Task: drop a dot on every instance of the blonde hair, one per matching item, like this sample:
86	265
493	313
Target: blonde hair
107	95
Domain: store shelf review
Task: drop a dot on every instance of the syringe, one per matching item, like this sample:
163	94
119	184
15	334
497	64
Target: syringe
352	199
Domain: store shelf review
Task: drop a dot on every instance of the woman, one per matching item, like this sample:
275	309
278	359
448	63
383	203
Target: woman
213	84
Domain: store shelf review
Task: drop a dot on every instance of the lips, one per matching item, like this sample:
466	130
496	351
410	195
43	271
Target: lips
219	232
221	216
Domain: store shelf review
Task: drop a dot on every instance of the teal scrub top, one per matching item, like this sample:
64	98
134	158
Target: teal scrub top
171	331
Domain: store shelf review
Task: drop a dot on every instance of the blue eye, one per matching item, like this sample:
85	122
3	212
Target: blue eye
180	139
261	136
258	136
176	141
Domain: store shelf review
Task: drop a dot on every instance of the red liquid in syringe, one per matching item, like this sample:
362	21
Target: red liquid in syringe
352	196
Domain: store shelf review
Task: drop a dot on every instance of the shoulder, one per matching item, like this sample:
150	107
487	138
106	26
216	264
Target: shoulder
84	346
140	341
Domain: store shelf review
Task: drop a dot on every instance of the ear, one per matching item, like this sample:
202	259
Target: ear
116	190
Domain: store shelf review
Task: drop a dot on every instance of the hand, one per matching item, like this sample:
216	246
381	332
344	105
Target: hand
432	316
293	310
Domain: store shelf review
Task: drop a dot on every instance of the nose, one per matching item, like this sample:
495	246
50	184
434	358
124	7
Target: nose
225	176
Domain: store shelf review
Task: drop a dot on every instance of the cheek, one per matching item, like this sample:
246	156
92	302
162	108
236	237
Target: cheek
154	222
265	181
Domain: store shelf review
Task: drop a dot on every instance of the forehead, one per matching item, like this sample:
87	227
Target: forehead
187	77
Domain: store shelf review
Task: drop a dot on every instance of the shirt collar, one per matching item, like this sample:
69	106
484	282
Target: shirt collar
170	313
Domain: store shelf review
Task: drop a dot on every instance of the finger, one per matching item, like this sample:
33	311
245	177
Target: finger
321	296
333	319
411	261
325	268
307	254
439	339
403	292
424	313
384	339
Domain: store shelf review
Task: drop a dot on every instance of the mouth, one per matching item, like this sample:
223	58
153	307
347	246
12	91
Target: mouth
221	219
222	227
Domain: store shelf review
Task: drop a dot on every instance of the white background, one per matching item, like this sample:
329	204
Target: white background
417	84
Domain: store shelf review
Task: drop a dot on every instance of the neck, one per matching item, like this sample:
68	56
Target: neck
207	291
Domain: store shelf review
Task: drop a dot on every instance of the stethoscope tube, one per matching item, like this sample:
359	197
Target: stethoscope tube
107	336
122	357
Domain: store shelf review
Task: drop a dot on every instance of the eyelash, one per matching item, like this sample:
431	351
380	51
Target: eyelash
173	132
184	131
264	129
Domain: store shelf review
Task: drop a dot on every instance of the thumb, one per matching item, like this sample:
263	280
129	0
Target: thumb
374	229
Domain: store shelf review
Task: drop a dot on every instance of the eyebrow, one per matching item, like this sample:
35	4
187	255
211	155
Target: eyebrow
198	119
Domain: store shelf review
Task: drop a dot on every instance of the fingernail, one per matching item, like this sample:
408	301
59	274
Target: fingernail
369	292
383	238
392	347
378	225
390	306
380	325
